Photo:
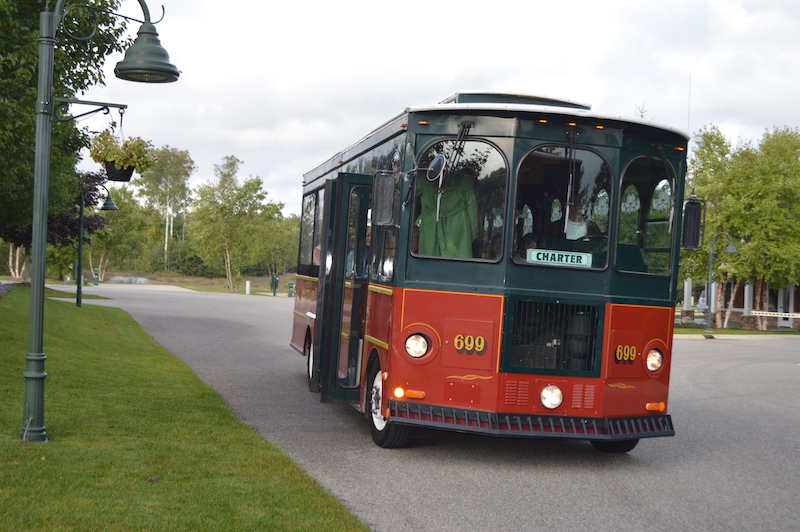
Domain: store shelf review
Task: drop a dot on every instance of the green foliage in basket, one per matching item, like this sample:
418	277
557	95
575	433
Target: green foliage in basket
133	151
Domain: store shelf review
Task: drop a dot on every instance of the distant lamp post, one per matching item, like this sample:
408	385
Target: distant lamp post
108	205
731	249
145	61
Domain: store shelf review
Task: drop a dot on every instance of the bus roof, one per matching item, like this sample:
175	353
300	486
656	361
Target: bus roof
500	97
476	101
492	101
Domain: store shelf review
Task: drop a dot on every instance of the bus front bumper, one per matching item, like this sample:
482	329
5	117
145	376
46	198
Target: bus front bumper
530	425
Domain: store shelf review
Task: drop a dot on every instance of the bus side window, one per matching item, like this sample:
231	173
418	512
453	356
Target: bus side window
382	269
310	223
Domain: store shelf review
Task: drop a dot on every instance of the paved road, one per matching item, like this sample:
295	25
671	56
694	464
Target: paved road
734	464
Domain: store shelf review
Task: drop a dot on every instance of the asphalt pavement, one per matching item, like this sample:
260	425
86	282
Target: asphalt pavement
733	465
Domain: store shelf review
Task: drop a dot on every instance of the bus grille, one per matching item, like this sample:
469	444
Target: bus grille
555	337
534	425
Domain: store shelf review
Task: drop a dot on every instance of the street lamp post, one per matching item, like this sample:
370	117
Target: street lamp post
731	249
145	61
108	205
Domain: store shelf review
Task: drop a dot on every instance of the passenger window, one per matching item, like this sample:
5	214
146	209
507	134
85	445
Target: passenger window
387	258
563	199
310	233
461	217
646	218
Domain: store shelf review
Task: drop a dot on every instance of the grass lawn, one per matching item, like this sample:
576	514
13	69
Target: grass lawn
137	440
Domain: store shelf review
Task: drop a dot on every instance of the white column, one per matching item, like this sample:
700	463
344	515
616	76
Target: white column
711	298
748	299
687	294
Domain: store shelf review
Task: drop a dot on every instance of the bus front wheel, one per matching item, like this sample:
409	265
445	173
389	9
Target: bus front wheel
385	433
615	446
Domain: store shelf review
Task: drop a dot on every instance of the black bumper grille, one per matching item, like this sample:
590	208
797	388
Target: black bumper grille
531	425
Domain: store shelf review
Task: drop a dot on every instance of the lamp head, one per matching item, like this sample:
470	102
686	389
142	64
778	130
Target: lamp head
109	204
146	60
731	249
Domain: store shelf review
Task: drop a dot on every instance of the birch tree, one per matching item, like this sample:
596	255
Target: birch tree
165	187
227	217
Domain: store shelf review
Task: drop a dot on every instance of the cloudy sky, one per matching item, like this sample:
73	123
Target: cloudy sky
285	85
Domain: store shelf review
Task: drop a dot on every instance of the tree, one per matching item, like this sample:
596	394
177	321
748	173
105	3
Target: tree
753	194
276	244
124	234
165	187
282	254
227	216
78	66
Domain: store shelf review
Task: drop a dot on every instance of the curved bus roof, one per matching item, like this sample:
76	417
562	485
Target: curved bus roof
501	97
476	102
493	101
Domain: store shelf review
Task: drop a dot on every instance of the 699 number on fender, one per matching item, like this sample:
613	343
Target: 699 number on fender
469	344
625	354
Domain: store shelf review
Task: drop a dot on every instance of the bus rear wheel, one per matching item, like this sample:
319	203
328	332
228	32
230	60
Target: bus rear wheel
614	446
385	433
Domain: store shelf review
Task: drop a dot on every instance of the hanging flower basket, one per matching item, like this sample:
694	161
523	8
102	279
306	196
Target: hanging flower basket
118	174
133	153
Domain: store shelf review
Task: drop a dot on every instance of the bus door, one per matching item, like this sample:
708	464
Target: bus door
343	288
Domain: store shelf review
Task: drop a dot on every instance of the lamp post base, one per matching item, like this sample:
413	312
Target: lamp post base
33	416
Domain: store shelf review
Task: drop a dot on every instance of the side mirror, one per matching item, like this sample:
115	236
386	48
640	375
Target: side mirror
385	199
694	221
436	168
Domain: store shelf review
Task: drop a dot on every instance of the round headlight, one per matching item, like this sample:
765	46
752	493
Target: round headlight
654	360
551	396
416	345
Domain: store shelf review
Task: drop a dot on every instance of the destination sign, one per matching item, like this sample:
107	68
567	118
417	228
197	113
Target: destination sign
560	258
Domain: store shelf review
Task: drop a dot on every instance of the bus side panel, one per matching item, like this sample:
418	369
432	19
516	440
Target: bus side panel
631	332
305	308
377	330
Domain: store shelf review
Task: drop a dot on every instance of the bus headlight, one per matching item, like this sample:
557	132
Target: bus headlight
551	396
417	345
654	360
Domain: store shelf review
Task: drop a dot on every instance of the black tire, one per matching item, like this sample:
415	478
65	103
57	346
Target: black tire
308	352
614	446
385	433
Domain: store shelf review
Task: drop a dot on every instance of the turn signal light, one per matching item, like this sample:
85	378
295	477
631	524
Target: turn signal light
411	394
656	407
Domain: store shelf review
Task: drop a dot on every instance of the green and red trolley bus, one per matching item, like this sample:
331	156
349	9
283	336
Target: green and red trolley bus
496	264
